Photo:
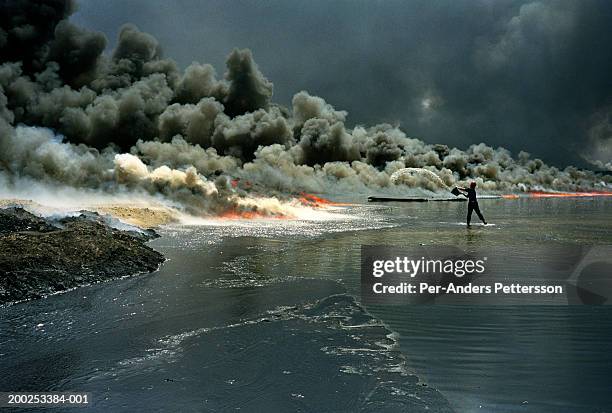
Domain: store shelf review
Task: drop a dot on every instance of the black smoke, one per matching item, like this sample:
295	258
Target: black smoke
74	113
523	74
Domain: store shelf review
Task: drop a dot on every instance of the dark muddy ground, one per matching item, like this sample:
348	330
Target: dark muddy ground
41	256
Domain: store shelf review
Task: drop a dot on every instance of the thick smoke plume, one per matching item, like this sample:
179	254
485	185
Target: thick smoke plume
71	115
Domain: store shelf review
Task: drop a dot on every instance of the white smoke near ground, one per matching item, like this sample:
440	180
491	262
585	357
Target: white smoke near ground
418	177
133	123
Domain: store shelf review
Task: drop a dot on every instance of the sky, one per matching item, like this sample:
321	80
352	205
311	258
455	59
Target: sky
525	75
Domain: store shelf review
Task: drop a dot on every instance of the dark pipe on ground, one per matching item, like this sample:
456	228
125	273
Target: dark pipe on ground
413	199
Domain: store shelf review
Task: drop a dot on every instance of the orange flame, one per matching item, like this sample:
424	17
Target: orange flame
306	199
542	194
314	201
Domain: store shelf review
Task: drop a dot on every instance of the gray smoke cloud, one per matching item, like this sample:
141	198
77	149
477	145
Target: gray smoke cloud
522	74
131	120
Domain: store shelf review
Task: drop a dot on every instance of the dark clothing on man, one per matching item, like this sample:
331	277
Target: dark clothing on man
473	206
470	193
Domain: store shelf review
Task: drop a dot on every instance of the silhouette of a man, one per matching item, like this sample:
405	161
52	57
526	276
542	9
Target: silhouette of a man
470	194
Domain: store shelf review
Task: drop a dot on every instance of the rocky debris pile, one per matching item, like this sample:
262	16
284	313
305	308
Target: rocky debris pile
41	256
15	219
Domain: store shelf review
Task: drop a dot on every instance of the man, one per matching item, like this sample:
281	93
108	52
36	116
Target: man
470	194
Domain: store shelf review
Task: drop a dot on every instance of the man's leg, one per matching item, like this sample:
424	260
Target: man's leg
477	209
469	214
